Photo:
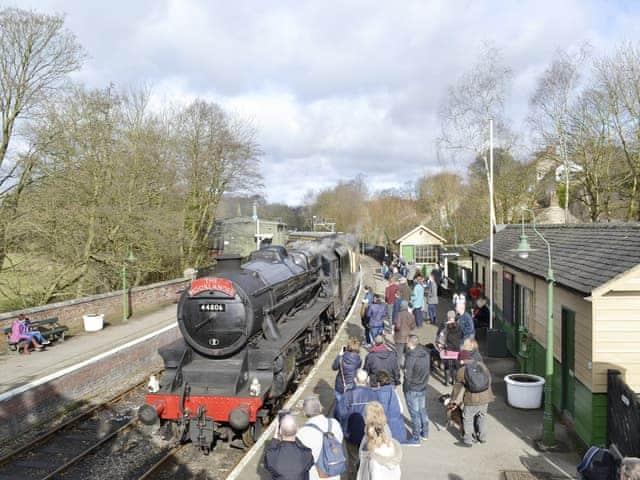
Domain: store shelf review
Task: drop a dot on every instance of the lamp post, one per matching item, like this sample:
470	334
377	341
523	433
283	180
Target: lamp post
125	301
523	250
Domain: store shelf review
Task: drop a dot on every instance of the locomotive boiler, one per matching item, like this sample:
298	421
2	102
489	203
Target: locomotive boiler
248	332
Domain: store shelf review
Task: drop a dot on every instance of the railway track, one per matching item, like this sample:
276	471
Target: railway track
107	442
57	450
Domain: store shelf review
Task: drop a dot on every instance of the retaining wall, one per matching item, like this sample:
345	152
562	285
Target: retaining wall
100	378
110	304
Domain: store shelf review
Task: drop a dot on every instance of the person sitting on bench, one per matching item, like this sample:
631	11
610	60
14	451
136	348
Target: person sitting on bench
20	332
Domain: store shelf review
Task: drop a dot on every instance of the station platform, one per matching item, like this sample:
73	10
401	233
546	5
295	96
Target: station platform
508	454
19	370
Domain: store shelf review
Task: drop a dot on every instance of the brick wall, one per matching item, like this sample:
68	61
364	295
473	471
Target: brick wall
110	304
97	381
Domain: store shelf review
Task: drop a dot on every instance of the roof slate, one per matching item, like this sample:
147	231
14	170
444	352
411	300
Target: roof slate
583	256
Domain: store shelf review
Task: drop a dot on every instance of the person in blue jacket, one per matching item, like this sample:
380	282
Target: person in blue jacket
465	321
388	397
417	299
376	313
346	364
351	419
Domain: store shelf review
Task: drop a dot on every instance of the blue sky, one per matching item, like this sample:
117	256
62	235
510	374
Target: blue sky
334	88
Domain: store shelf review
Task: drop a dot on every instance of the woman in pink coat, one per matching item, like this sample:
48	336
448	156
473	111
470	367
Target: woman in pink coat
20	332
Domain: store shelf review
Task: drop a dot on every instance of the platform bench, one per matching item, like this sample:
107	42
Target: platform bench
52	331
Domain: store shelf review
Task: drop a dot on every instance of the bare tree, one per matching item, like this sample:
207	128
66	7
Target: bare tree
478	96
36	55
618	77
592	146
217	154
551	103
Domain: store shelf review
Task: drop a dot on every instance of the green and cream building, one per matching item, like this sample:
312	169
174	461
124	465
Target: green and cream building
596	311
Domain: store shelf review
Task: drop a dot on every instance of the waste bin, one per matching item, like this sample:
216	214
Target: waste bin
497	343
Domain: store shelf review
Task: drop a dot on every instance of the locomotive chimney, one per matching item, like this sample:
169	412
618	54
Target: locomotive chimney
228	261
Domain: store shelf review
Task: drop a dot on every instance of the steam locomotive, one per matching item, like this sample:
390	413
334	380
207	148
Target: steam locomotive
248	333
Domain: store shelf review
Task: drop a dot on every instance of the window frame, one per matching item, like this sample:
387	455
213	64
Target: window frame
430	254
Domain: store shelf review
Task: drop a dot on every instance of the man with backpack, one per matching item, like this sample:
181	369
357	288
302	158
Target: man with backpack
473	392
324	437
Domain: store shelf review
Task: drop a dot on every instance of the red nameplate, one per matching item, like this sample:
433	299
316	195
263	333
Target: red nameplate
220	284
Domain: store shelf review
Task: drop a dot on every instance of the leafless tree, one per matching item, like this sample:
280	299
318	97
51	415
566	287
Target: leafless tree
36	55
550	104
478	96
216	154
618	76
591	145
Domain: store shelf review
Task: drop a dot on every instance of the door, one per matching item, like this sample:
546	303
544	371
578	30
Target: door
408	253
568	359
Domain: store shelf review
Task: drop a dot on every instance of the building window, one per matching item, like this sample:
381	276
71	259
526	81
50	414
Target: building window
526	307
427	253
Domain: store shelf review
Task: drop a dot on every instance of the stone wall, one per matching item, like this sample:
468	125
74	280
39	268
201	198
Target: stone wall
110	304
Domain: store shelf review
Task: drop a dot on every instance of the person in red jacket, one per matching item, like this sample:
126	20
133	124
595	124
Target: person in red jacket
390	297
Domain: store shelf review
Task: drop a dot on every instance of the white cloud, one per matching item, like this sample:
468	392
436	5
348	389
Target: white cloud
334	88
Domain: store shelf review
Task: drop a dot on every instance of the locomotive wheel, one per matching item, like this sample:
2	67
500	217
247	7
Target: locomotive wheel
251	434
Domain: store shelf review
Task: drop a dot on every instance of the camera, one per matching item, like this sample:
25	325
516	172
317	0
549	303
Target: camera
282	413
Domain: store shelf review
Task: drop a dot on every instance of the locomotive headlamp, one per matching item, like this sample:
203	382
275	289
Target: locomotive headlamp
254	389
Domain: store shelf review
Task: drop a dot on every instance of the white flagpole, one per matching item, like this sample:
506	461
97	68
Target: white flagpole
491	223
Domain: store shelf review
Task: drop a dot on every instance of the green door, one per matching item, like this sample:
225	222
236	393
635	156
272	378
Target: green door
408	253
568	359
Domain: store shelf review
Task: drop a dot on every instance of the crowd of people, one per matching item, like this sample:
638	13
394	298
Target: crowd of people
363	437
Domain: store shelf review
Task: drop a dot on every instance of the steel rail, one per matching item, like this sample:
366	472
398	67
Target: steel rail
156	466
88	451
78	418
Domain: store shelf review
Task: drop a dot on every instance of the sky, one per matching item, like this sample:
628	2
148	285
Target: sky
334	88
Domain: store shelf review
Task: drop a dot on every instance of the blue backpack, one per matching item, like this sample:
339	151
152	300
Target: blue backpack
331	461
598	464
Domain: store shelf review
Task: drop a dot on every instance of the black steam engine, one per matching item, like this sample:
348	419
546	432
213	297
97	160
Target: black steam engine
249	331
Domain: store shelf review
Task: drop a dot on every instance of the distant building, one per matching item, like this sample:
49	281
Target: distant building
554	213
596	311
309	236
422	246
240	235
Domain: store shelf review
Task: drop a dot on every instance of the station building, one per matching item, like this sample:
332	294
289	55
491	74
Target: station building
596	311
422	246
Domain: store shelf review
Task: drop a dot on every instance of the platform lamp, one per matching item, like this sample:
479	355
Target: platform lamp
130	259
523	250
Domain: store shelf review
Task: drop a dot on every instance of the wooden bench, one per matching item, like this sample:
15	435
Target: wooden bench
52	331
